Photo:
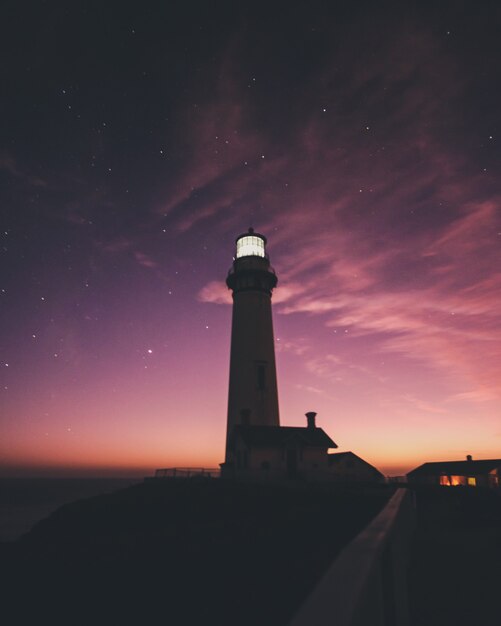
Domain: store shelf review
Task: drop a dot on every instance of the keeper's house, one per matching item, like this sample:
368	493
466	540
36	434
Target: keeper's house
469	473
349	467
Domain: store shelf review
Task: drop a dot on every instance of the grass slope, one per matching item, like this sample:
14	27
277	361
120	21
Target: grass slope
182	552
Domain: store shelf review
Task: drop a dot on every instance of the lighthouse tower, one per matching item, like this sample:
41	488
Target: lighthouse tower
253	396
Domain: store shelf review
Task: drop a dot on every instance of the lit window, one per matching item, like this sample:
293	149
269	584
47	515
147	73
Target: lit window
472	481
250	246
452	481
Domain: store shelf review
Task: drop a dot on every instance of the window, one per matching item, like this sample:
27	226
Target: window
452	481
261	376
472	481
245	417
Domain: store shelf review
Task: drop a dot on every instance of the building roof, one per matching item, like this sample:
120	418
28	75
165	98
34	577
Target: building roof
337	457
265	436
458	468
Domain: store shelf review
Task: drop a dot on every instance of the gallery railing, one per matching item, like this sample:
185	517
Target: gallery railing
367	583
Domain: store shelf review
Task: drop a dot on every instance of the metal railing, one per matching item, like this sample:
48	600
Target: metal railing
367	583
188	472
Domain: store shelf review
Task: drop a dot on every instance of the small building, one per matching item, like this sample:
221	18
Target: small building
469	473
348	467
278	452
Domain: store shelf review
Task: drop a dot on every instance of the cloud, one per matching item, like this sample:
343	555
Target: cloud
128	248
309	389
379	221
328	366
299	346
215	292
421	405
116	245
10	165
145	260
222	153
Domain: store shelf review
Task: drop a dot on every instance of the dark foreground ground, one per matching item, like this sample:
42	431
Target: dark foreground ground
455	576
203	552
25	501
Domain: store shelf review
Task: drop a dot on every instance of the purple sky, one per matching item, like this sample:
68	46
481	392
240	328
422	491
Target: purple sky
139	142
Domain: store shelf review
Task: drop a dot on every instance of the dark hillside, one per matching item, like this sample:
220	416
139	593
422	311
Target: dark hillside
183	552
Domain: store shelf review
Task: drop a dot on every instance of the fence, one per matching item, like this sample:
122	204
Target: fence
188	472
367	584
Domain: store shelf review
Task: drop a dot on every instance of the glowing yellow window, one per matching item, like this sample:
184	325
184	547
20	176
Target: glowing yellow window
472	481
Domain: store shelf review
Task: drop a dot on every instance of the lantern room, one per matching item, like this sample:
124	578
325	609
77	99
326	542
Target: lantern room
251	244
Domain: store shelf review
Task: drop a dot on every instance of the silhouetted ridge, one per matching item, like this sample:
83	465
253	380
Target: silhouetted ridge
185	551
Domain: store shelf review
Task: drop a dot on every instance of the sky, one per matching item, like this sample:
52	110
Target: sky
138	140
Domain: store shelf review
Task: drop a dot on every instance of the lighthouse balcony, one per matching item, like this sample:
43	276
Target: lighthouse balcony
250	276
251	262
241	270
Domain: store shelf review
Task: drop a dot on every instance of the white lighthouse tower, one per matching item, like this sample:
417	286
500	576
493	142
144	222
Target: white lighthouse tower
253	396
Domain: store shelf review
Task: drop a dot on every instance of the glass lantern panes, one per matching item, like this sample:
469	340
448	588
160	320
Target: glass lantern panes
250	246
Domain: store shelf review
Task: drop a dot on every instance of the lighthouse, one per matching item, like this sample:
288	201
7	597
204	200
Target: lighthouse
252	396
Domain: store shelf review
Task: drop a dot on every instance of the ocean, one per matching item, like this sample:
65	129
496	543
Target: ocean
26	501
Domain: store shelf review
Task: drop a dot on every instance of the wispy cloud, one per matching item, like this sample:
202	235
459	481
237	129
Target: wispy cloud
145	260
310	389
382	228
215	292
10	165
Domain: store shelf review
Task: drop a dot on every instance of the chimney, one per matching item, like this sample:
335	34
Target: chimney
311	419
468	457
